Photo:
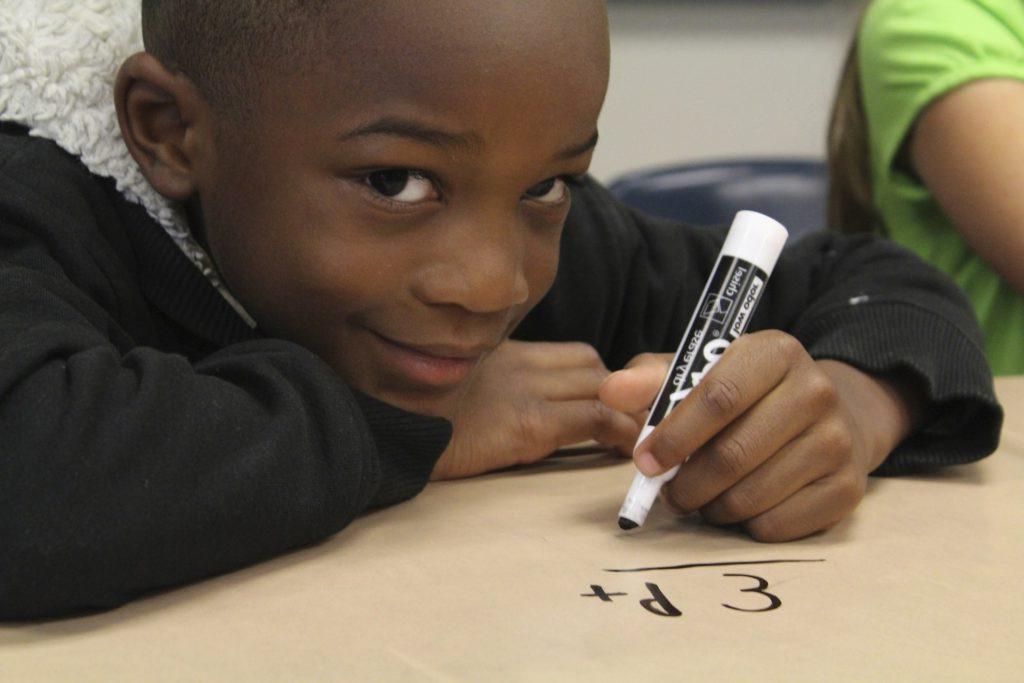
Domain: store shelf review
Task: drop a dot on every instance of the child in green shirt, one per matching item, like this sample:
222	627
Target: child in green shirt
927	146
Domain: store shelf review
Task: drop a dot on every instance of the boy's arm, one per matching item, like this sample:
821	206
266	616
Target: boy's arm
628	284
125	469
880	309
122	473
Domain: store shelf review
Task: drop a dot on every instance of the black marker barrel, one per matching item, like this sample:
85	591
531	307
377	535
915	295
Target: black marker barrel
729	299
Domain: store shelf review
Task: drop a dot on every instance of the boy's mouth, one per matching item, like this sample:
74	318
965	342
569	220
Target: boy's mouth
437	366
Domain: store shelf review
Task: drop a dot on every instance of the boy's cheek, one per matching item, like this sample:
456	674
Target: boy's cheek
348	355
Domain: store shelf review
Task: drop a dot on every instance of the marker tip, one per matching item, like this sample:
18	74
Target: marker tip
626	524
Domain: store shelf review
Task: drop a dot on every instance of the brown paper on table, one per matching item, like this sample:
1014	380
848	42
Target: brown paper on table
486	579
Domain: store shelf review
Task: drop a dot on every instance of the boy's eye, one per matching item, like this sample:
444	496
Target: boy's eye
550	191
402	185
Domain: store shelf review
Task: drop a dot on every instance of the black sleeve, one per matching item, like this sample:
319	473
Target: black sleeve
126	468
628	283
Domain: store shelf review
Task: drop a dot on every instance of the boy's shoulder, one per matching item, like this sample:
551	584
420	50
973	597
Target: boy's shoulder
600	220
34	168
19	150
39	181
50	203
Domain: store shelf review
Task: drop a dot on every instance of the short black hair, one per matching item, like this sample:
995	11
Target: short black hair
226	47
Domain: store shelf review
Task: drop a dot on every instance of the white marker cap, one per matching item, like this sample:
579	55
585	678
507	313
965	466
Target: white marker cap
755	238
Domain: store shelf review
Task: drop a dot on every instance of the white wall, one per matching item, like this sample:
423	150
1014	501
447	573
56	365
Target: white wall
704	79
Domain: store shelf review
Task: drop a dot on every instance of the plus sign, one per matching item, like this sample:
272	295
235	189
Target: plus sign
599	593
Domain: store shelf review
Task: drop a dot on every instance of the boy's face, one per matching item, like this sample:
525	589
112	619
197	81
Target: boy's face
397	207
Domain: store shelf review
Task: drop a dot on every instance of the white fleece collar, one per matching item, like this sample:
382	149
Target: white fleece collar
58	62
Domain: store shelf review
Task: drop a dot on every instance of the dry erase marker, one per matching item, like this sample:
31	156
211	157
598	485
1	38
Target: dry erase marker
730	296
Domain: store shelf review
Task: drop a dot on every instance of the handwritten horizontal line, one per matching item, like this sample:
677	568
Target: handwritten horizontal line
707	564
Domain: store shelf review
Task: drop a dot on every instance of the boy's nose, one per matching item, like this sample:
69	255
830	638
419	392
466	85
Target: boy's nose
481	269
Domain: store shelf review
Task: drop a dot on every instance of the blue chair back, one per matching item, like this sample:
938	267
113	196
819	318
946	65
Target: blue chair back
792	191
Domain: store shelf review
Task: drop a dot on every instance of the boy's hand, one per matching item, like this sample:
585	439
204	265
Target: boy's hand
770	438
527	399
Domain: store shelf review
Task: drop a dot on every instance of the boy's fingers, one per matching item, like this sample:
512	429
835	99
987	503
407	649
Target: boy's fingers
763	432
571	383
813	508
553	355
731	387
633	389
568	422
661	360
796	465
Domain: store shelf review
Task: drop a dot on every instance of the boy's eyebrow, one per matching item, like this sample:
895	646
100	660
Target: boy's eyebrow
576	150
413	130
406	128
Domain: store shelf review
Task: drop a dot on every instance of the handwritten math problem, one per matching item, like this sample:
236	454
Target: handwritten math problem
658	603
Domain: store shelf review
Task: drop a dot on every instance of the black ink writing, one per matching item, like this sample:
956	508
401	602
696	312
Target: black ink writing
695	565
774	602
599	592
658	603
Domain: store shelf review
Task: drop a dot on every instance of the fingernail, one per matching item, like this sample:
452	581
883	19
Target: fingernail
646	463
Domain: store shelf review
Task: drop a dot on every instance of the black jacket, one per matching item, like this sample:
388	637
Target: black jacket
149	437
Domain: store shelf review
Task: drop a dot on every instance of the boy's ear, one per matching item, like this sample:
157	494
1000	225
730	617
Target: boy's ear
164	121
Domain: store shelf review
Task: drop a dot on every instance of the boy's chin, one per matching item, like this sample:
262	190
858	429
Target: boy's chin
442	404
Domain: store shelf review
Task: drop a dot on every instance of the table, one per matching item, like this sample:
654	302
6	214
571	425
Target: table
504	577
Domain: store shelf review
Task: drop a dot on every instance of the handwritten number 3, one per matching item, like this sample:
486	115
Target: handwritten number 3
760	589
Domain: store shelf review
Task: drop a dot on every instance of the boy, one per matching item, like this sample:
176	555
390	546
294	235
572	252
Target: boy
382	190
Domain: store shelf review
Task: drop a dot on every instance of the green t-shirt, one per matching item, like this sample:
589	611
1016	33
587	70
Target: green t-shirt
911	52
